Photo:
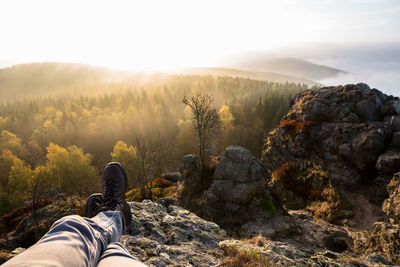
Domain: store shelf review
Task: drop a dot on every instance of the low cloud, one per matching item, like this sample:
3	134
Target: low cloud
386	81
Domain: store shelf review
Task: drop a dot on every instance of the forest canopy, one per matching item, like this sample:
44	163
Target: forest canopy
60	138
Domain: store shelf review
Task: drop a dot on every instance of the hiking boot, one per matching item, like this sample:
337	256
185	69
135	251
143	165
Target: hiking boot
92	203
115	185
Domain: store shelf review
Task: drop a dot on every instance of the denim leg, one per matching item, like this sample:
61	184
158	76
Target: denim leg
73	241
116	255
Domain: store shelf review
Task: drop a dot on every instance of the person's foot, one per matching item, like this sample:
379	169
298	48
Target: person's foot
92	203
115	184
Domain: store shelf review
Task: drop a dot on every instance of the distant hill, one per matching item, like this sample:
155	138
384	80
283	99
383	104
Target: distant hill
290	66
255	75
44	79
50	78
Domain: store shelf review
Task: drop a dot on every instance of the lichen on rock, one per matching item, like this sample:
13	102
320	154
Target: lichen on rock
331	146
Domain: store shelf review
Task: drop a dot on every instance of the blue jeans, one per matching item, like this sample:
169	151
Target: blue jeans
79	241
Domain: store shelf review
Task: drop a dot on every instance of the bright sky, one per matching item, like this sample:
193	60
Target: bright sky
150	34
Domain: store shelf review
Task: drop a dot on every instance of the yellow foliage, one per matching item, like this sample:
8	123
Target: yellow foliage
6	161
9	141
71	167
19	178
126	155
226	116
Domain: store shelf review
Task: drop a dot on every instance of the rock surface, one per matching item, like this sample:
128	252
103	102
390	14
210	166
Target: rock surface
331	147
275	253
238	185
168	235
238	195
384	240
172	236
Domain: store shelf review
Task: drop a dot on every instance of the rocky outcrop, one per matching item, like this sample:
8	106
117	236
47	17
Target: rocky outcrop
159	235
335	143
239	186
172	236
238	196
168	235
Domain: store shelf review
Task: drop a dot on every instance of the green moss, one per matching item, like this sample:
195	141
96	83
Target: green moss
267	205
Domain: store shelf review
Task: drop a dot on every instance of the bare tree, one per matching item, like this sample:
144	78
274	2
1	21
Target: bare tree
151	161
141	165
205	120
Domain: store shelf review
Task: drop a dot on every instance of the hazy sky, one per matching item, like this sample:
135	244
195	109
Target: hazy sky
153	34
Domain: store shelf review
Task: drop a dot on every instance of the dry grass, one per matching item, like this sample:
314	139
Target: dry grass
235	257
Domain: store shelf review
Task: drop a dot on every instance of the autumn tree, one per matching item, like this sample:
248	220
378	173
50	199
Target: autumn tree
41	181
18	180
9	141
7	159
72	168
205	121
126	155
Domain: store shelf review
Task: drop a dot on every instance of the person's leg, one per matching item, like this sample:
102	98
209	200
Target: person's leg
73	241
116	255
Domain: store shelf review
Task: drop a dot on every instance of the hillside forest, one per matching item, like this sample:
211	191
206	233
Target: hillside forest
66	139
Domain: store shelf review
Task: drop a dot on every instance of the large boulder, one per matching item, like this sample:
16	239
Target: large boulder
238	192
331	146
238	188
238	177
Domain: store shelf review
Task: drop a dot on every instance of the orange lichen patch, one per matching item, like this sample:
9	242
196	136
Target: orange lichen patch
282	171
295	126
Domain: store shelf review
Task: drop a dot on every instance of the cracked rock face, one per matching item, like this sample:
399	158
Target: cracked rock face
239	190
172	236
341	134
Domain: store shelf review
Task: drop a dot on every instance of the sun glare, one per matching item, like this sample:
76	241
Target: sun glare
150	35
